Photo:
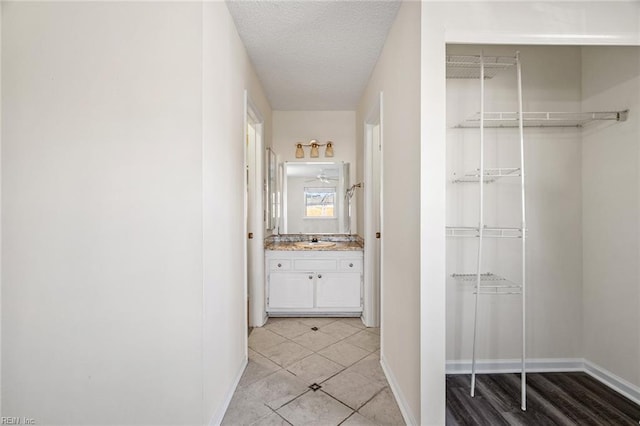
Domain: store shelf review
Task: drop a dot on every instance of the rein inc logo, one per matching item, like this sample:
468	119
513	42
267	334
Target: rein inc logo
17	421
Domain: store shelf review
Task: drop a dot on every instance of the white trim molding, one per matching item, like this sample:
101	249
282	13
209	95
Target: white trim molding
397	393
549	365
616	383
216	420
373	216
541	365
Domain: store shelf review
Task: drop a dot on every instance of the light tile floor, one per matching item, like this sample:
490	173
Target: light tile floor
289	355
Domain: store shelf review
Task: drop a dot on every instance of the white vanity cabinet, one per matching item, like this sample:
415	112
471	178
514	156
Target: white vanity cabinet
314	282
290	290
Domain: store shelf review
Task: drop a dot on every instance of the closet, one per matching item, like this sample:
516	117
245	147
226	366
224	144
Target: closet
582	179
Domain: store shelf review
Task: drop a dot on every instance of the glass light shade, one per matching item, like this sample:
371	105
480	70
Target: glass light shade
329	151
314	151
299	151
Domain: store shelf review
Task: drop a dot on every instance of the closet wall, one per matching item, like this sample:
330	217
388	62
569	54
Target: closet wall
583	198
610	200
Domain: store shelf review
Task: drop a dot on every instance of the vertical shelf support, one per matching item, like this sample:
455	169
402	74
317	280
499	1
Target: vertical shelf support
480	230
523	374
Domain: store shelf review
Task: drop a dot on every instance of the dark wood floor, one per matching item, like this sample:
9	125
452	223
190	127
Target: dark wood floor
552	399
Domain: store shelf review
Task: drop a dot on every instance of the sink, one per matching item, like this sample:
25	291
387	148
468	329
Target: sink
317	244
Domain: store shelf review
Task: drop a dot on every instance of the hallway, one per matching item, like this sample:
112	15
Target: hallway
306	371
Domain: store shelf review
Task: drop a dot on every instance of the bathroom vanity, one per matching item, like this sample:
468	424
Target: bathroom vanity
314	278
314	267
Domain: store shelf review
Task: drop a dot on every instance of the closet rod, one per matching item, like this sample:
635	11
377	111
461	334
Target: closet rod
541	119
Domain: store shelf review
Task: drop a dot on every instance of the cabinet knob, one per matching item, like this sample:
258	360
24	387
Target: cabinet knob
310	277
279	265
351	265
319	275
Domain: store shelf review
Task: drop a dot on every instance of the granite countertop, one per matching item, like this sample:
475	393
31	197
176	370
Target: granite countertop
291	246
293	242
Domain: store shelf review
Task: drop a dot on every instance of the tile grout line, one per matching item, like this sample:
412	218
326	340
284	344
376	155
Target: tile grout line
343	368
311	366
334	343
315	353
370	399
272	412
290	401
354	410
341	402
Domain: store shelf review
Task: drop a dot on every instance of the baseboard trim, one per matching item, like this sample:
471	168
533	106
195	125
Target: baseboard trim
216	420
539	365
397	393
616	383
549	365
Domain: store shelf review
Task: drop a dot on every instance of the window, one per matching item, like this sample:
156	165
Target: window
320	202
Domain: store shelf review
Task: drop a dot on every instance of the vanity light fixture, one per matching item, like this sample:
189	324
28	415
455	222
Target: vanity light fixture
329	151
315	149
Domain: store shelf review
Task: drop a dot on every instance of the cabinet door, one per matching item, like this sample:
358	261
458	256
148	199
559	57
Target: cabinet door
291	290
338	290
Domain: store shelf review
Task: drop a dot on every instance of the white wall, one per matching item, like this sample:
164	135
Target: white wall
291	127
102	312
481	22
227	73
397	74
610	186
123	119
551	82
1	206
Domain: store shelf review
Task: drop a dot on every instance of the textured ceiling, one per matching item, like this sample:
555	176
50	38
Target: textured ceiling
313	55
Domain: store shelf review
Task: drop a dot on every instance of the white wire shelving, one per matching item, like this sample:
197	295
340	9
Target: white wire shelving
541	119
482	67
490	175
487	232
490	283
468	66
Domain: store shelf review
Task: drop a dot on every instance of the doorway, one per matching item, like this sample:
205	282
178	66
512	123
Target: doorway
598	86
373	215
254	216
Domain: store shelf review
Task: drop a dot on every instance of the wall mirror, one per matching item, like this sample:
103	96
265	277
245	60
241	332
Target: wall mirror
271	190
313	196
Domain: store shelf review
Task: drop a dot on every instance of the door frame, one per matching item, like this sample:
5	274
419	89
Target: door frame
256	311
442	24
373	303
